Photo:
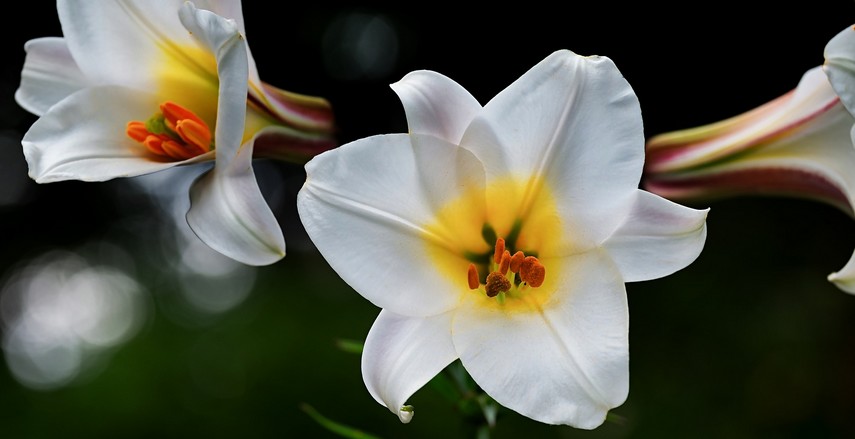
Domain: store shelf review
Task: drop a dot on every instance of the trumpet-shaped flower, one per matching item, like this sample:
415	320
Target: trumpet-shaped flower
135	87
502	236
797	145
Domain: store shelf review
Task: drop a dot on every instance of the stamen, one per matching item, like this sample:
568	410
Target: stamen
536	274
154	144
497	283
500	250
506	262
173	113
525	267
472	275
194	134
137	131
516	260
175	132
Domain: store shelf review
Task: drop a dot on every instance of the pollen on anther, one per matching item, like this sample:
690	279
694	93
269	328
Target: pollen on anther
500	250
472	275
497	283
536	274
525	267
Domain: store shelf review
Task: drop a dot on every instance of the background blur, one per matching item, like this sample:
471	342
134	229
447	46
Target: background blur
117	323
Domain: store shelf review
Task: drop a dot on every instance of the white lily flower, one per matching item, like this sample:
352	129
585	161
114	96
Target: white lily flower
502	235
798	145
135	87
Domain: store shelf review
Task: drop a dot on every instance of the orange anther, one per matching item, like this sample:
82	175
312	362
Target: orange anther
506	262
497	283
177	150
472	275
516	260
525	267
536	274
176	133
173	112
136	130
195	134
500	250
154	144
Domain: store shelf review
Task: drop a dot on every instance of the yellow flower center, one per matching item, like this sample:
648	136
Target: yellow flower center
175	133
497	242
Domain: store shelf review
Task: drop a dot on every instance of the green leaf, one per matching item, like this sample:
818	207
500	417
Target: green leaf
351	346
615	419
335	427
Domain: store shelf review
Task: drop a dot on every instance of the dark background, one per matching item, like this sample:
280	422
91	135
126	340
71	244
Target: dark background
748	341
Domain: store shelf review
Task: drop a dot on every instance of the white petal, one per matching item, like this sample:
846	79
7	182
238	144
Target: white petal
49	75
657	238
229	214
401	354
122	42
845	277
366	206
223	37
796	110
575	122
83	138
567	363
840	66
436	105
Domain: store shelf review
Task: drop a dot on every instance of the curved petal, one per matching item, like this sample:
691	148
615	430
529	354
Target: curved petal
813	161
401	354
657	238
567	363
436	105
229	214
571	122
83	138
223	38
306	113
50	74
368	206
839	65
120	42
845	277
695	148
227	210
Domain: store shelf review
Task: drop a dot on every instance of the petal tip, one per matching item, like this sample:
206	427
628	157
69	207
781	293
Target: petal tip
406	413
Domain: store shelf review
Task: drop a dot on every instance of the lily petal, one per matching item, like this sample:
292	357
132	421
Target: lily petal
227	209
229	214
576	122
698	147
567	363
813	161
223	38
845	277
57	147
436	105
353	216
49	75
657	238
110	40
401	354
840	66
